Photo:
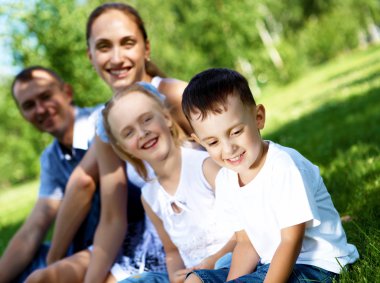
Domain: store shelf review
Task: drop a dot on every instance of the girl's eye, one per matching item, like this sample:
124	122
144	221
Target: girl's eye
128	134
148	119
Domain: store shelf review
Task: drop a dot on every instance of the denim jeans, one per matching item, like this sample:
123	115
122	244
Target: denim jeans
301	273
147	277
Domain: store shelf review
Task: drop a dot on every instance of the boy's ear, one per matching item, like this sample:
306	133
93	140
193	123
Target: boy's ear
260	116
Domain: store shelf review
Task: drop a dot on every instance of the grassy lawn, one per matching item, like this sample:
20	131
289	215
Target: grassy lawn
332	116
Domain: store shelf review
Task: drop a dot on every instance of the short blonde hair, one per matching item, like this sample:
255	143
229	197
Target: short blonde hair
151	92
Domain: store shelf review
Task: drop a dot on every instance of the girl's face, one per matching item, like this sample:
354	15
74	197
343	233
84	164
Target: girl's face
117	49
141	127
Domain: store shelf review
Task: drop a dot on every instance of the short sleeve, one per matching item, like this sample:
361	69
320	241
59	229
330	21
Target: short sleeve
49	185
100	130
294	200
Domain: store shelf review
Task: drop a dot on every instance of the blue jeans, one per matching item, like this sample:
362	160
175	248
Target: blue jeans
147	277
301	273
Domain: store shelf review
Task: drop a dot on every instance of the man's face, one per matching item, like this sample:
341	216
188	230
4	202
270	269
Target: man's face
45	103
232	137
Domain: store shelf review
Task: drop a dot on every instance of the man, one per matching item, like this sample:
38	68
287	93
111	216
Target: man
45	101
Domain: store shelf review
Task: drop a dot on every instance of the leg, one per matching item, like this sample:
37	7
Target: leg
310	273
208	276
70	270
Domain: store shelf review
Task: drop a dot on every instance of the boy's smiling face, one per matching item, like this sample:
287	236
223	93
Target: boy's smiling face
232	137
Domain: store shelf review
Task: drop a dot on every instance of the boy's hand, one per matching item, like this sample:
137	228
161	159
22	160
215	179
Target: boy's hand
180	275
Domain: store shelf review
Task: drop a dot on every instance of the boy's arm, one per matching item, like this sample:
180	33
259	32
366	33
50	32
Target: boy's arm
113	220
75	205
27	240
286	254
174	263
244	257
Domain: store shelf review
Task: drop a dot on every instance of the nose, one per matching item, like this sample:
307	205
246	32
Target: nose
228	147
142	132
40	107
116	55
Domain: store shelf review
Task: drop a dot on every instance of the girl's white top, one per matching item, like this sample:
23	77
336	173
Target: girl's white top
196	230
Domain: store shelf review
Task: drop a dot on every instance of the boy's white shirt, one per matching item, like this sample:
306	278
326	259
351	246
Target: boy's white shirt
287	191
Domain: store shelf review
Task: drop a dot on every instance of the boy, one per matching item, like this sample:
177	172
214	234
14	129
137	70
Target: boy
287	228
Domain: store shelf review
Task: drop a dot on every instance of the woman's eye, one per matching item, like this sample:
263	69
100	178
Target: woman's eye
102	47
129	43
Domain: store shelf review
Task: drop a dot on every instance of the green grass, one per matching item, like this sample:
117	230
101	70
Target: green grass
15	205
332	116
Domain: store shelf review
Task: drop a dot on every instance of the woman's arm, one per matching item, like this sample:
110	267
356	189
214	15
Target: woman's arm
286	254
173	90
174	263
75	205
244	257
113	220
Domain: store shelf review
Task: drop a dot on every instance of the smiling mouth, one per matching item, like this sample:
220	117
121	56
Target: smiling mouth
235	160
149	144
120	73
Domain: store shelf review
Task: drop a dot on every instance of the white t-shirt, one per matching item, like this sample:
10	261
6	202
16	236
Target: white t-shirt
287	191
195	230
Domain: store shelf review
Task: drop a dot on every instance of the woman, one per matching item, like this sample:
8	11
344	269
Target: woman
119	50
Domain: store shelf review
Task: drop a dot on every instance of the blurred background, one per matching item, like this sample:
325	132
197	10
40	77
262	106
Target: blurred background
314	64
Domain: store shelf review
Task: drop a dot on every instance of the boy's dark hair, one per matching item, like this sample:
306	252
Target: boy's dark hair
26	75
208	91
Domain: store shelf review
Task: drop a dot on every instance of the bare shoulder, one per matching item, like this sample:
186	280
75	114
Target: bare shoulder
210	170
172	86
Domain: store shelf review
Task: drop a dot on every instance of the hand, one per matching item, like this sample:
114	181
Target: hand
207	263
180	275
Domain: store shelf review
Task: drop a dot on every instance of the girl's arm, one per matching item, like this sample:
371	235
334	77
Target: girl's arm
113	220
75	205
286	254
244	257
174	263
173	90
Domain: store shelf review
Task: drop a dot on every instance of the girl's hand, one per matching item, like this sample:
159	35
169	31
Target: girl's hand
180	275
207	263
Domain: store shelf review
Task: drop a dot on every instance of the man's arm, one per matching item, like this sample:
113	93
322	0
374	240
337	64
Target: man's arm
75	205
25	243
286	254
244	257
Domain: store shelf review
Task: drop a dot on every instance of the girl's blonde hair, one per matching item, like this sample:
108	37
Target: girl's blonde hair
150	91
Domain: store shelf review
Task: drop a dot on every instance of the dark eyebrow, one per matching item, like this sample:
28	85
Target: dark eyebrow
228	130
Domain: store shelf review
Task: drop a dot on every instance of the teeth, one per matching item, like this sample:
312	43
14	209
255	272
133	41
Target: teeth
235	158
149	144
118	72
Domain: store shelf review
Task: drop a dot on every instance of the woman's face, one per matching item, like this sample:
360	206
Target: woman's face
117	49
141	127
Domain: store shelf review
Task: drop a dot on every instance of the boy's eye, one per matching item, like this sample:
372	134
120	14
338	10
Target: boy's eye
27	105
128	134
147	119
45	96
236	132
212	143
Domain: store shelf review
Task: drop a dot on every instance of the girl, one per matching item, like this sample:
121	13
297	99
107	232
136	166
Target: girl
119	50
180	199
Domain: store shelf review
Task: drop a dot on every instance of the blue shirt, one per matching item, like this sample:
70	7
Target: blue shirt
58	163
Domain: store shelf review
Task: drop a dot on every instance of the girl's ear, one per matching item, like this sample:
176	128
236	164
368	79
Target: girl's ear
147	50
195	138
260	116
168	118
